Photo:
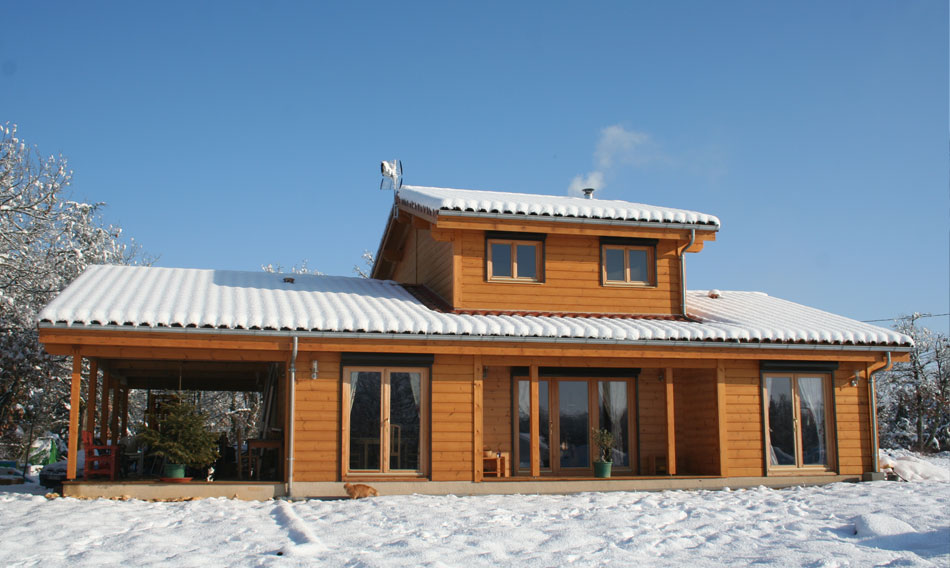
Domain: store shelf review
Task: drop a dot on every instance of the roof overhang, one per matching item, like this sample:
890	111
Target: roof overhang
273	344
518	217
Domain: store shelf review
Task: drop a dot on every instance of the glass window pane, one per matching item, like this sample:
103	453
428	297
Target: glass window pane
365	389
501	260
575	424
811	396
613	417
544	415
524	424
781	421
639	271
613	262
527	261
404	420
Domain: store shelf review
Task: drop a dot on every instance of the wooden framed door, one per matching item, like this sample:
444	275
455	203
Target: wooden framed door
569	408
797	419
384	420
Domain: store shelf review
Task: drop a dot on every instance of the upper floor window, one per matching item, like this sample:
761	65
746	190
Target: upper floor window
517	257
628	263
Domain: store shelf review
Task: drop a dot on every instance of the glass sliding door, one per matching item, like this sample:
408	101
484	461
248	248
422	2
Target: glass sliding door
384	421
781	421
524	424
573	424
405	420
365	419
615	417
797	419
811	410
567	411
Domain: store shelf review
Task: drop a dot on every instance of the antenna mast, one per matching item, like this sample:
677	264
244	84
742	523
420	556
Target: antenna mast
392	174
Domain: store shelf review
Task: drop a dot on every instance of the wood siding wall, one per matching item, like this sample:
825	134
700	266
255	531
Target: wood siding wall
572	281
744	419
498	408
651	407
697	433
426	261
317	422
318	437
452	418
853	421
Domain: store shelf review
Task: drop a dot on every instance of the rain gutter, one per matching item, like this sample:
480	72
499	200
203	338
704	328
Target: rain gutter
290	426
873	397
692	239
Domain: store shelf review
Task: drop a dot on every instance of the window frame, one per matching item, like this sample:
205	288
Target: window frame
513	240
831	451
626	245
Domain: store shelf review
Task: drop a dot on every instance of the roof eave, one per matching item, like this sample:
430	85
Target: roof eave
703	343
584	220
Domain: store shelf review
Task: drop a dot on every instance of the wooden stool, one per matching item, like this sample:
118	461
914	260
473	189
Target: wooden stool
495	465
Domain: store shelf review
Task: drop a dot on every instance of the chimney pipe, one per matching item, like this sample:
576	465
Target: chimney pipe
588	192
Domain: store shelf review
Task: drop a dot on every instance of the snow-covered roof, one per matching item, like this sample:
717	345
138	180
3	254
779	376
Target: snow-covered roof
151	297
472	202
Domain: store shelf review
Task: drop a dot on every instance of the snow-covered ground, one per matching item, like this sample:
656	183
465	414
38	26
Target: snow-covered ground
864	524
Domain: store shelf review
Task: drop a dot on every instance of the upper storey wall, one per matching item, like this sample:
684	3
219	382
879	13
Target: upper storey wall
426	261
448	255
572	281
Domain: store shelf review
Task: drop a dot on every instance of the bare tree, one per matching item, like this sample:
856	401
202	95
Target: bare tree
46	241
914	397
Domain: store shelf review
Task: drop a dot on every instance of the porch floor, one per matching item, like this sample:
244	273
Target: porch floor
157	490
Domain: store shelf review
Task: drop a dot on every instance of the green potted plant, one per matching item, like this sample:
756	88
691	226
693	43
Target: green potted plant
182	438
603	439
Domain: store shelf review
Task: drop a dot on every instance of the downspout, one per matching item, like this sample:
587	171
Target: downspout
692	239
290	421
874	441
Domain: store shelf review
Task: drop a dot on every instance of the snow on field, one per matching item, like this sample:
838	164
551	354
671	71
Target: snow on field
865	524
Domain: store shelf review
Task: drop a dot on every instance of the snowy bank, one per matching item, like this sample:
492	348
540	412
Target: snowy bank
836	525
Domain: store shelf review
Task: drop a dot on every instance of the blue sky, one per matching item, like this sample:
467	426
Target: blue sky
233	134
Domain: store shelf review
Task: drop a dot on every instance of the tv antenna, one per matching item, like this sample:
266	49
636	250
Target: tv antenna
392	174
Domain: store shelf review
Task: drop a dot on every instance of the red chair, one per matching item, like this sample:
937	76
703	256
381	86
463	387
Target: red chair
100	460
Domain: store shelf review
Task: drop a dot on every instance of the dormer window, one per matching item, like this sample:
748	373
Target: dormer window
628	262
514	257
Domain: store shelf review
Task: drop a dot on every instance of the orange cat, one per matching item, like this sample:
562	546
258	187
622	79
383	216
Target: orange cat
359	490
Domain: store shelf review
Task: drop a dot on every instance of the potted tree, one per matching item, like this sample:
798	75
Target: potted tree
182	439
603	439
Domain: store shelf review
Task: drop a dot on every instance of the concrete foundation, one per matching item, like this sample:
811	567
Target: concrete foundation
261	491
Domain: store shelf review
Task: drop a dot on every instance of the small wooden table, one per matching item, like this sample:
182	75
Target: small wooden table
495	465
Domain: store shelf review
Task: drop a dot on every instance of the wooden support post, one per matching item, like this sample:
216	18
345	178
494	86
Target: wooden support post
104	407
478	416
114	424
722	422
74	417
91	395
535	422
670	425
125	409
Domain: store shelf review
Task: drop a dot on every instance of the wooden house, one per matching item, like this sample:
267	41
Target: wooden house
497	330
